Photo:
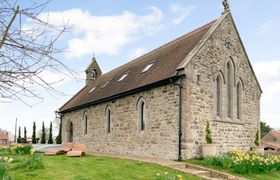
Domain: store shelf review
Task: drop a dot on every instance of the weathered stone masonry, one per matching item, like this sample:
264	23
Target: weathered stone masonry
160	137
200	97
198	72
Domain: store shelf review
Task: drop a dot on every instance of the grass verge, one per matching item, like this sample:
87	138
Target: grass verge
93	167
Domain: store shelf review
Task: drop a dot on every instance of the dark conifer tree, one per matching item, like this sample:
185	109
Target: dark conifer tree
50	140
19	135
34	134
25	135
43	135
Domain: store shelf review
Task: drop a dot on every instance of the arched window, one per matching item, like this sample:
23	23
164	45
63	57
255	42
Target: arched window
239	100
142	116
141	109
109	120
218	95
229	90
85	118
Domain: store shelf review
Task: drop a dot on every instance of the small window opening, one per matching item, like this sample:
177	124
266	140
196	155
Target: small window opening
94	73
142	116
105	84
109	121
198	79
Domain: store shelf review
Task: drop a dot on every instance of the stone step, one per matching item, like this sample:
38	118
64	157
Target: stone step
213	174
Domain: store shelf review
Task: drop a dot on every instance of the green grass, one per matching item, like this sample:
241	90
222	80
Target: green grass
92	167
274	175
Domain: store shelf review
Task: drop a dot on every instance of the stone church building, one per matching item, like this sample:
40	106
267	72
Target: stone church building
157	105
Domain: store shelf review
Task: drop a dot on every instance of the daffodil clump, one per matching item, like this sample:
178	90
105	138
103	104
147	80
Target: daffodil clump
253	162
18	156
16	149
246	162
6	159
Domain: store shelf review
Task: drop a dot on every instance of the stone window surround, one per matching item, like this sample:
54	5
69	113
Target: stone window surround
223	118
85	121
239	107
229	88
107	120
139	112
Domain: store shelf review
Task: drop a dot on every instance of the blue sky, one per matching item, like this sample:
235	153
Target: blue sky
118	31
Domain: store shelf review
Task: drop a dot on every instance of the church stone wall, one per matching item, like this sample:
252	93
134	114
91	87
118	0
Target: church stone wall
160	138
200	95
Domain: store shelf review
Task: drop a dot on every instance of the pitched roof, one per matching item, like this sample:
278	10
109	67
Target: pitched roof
271	145
4	136
166	59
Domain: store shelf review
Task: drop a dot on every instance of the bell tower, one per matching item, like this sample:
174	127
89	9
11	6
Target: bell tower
93	71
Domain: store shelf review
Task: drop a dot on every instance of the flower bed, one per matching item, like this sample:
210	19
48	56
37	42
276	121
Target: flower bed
18	156
245	163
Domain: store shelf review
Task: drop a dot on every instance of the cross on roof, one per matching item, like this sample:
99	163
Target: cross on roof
226	6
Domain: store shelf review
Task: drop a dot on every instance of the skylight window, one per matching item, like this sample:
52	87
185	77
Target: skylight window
123	76
92	89
148	67
105	84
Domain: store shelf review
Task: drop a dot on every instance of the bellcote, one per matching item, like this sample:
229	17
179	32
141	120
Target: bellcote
93	71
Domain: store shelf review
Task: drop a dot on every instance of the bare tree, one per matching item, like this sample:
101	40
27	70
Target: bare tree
27	51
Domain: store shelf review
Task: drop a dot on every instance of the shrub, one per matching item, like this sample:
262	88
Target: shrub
208	134
22	149
257	142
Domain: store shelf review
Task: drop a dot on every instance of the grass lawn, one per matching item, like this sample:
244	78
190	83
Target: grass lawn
92	167
274	175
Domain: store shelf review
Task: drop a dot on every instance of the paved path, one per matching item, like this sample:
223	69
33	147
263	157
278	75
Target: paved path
194	170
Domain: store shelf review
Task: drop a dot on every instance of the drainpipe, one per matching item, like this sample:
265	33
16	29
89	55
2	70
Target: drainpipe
180	118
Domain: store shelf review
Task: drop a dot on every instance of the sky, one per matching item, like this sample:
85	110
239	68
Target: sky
117	31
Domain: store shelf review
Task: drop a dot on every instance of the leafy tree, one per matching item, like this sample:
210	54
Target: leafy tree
34	134
265	128
43	135
27	50
58	138
19	135
25	135
50	140
209	139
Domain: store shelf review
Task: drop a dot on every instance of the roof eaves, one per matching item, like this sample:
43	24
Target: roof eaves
129	92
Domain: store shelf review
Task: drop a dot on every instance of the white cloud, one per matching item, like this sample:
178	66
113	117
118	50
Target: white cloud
104	34
268	73
269	27
181	12
134	53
